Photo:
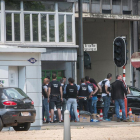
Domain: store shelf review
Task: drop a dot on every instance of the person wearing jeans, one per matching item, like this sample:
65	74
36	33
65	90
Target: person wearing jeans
106	94
94	106
46	108
45	104
120	103
106	100
117	93
71	94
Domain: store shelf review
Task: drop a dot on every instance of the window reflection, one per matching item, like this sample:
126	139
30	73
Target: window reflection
27	27
39	6
43	27
65	7
69	28
35	27
61	28
51	28
17	27
12	5
8	27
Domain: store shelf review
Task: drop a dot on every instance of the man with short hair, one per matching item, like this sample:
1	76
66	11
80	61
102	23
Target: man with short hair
56	96
71	94
85	92
117	93
106	94
45	104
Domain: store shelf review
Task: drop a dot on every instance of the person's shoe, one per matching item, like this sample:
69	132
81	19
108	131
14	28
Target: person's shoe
59	121
47	121
106	120
125	121
71	121
51	122
118	119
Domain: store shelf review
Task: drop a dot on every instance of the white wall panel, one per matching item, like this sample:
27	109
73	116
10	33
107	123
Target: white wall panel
18	56
19	63
36	97
33	72
38	122
3	71
34	85
38	113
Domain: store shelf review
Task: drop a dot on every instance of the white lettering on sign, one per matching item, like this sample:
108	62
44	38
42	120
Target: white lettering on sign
84	88
55	85
90	47
71	90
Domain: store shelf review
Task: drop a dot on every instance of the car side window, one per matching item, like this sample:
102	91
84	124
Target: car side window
134	92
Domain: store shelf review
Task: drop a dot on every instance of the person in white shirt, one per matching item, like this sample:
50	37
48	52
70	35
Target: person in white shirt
106	94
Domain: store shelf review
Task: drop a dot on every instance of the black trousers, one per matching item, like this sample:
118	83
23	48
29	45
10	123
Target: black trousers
83	103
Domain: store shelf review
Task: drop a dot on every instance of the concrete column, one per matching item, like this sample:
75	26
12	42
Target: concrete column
135	48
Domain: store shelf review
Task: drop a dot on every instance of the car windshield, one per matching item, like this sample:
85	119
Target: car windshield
14	93
134	92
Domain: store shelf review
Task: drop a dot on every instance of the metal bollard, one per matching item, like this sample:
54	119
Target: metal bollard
67	131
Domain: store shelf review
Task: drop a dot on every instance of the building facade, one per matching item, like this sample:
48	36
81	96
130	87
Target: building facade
37	38
103	21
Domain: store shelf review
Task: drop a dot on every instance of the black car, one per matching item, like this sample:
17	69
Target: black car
16	109
133	100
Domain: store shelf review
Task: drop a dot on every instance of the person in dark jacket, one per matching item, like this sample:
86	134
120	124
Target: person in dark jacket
117	93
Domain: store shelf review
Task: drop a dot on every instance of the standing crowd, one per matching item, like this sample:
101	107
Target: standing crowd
69	96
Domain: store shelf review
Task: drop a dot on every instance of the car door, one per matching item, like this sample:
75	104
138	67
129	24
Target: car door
134	100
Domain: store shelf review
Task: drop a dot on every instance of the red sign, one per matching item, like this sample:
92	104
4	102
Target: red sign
135	60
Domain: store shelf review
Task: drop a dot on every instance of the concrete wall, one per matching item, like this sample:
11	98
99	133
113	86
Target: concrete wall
102	33
29	77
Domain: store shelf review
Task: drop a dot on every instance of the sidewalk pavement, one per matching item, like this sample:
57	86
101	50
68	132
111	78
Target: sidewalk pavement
80	131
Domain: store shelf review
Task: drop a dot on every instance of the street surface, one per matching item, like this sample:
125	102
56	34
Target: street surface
79	131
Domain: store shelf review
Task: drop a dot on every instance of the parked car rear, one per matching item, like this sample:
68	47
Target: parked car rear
16	109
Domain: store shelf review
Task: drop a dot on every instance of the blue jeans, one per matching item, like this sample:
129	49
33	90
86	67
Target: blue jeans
94	106
90	105
106	100
72	113
73	101
120	102
46	108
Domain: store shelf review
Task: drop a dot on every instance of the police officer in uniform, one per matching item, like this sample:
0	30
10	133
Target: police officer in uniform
85	92
71	95
56	96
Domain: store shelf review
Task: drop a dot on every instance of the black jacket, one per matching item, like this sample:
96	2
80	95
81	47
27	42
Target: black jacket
118	90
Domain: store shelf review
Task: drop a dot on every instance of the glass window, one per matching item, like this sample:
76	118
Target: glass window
14	93
8	27
35	27
17	26
65	7
95	1
69	28
12	4
39	6
51	28
134	92
43	27
61	28
27	27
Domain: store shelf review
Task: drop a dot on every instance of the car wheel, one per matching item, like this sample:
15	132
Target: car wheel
22	127
1	124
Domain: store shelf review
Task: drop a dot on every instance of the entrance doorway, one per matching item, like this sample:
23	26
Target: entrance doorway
59	74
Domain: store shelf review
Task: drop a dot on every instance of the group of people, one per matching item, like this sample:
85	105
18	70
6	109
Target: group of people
67	96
